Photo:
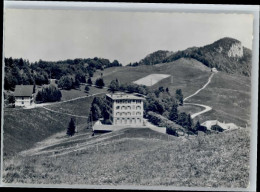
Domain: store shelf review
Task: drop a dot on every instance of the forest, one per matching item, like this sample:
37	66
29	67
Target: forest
22	72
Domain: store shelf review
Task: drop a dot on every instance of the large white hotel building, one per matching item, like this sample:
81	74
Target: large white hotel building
125	109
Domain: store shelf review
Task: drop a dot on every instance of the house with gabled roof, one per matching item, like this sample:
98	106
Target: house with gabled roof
23	95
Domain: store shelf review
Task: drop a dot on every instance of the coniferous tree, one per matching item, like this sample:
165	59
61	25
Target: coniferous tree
100	83
89	81
96	112
173	116
86	89
114	86
11	99
197	126
71	128
188	122
39	97
179	96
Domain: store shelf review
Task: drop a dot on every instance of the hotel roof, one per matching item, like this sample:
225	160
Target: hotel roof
123	96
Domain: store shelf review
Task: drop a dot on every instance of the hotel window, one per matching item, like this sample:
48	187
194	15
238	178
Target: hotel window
128	107
129	101
128	113
117	107
138	108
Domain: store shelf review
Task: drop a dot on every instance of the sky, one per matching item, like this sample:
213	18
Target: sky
125	36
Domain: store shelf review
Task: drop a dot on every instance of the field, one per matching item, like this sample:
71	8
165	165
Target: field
140	157
151	79
189	109
229	96
188	75
80	107
23	128
36	149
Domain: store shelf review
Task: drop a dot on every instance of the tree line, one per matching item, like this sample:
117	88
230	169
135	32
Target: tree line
21	71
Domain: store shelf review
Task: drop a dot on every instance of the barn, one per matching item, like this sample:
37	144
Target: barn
23	95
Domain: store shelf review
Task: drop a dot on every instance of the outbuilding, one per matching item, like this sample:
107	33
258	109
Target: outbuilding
23	95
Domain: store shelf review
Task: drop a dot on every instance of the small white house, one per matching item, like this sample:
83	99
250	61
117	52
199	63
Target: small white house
23	95
224	125
214	70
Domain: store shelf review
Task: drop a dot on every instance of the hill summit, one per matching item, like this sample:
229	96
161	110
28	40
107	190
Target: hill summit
226	54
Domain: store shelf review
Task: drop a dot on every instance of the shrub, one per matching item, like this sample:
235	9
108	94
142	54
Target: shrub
217	128
202	128
100	83
89	81
11	99
86	89
65	82
171	127
49	94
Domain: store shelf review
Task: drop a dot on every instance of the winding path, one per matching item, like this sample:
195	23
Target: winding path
207	108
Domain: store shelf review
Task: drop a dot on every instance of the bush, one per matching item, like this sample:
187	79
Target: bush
65	82
49	94
171	127
89	81
86	89
217	128
11	99
100	83
202	128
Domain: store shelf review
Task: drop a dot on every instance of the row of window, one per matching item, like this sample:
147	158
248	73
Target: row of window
128	107
128	101
127	113
22	98
127	120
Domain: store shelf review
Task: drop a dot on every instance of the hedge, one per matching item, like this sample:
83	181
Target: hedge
171	127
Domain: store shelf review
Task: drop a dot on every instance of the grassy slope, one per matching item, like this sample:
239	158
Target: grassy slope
23	128
74	93
134	158
189	109
230	98
188	74
229	95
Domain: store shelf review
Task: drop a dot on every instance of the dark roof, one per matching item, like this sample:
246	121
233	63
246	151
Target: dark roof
23	90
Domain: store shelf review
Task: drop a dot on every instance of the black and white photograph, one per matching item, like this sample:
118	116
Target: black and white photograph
138	97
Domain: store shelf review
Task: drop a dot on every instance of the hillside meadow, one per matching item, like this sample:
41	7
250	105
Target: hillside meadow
230	98
25	127
37	151
140	157
188	75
